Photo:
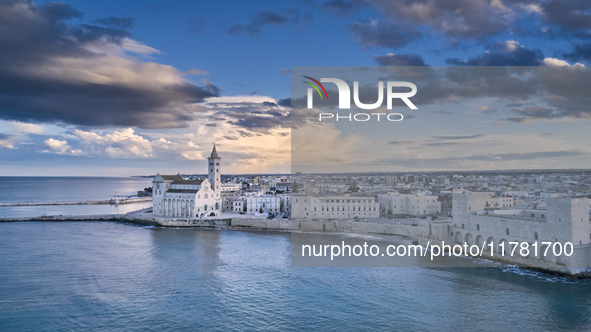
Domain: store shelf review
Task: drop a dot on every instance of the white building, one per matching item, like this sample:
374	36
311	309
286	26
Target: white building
231	186
265	203
238	205
176	197
419	204
334	207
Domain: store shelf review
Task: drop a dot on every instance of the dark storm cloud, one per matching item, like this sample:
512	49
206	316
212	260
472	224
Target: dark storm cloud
264	18
570	15
284	102
253	117
383	33
210	125
579	52
402	59
509	54
117	22
48	73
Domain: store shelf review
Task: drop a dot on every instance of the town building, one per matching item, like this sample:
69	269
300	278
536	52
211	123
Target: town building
334	207
263	204
417	204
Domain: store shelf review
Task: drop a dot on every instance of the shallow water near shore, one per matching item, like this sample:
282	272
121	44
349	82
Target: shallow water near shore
109	276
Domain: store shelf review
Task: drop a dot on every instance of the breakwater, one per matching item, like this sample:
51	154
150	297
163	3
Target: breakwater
96	202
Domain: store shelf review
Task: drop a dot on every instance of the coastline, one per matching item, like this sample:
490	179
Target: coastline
244	224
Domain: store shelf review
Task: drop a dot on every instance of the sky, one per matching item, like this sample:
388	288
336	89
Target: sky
119	88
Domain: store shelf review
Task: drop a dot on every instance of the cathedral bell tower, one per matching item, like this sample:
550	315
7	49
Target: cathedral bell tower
214	171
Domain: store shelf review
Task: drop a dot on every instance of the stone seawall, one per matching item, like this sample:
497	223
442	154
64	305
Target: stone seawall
333	226
100	217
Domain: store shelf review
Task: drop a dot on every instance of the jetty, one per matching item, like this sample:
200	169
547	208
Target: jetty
116	201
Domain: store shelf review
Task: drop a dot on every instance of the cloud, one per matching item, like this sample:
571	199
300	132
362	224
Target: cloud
457	137
511	53
472	19
117	144
534	113
264	18
341	8
55	72
487	109
197	71
60	147
255	113
134	46
559	63
196	25
27	128
570	16
486	161
117	22
383	33
399	22
6	141
401	59
580	52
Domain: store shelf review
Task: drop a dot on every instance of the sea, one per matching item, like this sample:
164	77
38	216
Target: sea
107	276
69	189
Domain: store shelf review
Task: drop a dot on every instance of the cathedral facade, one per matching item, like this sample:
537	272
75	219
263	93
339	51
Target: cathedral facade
176	197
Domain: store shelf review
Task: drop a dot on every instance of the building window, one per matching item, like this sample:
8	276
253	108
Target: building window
542	216
533	215
463	226
535	235
507	231
477	227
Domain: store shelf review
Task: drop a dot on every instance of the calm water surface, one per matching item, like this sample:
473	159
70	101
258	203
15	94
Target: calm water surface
107	276
58	189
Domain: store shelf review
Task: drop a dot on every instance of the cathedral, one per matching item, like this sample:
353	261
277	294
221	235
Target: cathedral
176	197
